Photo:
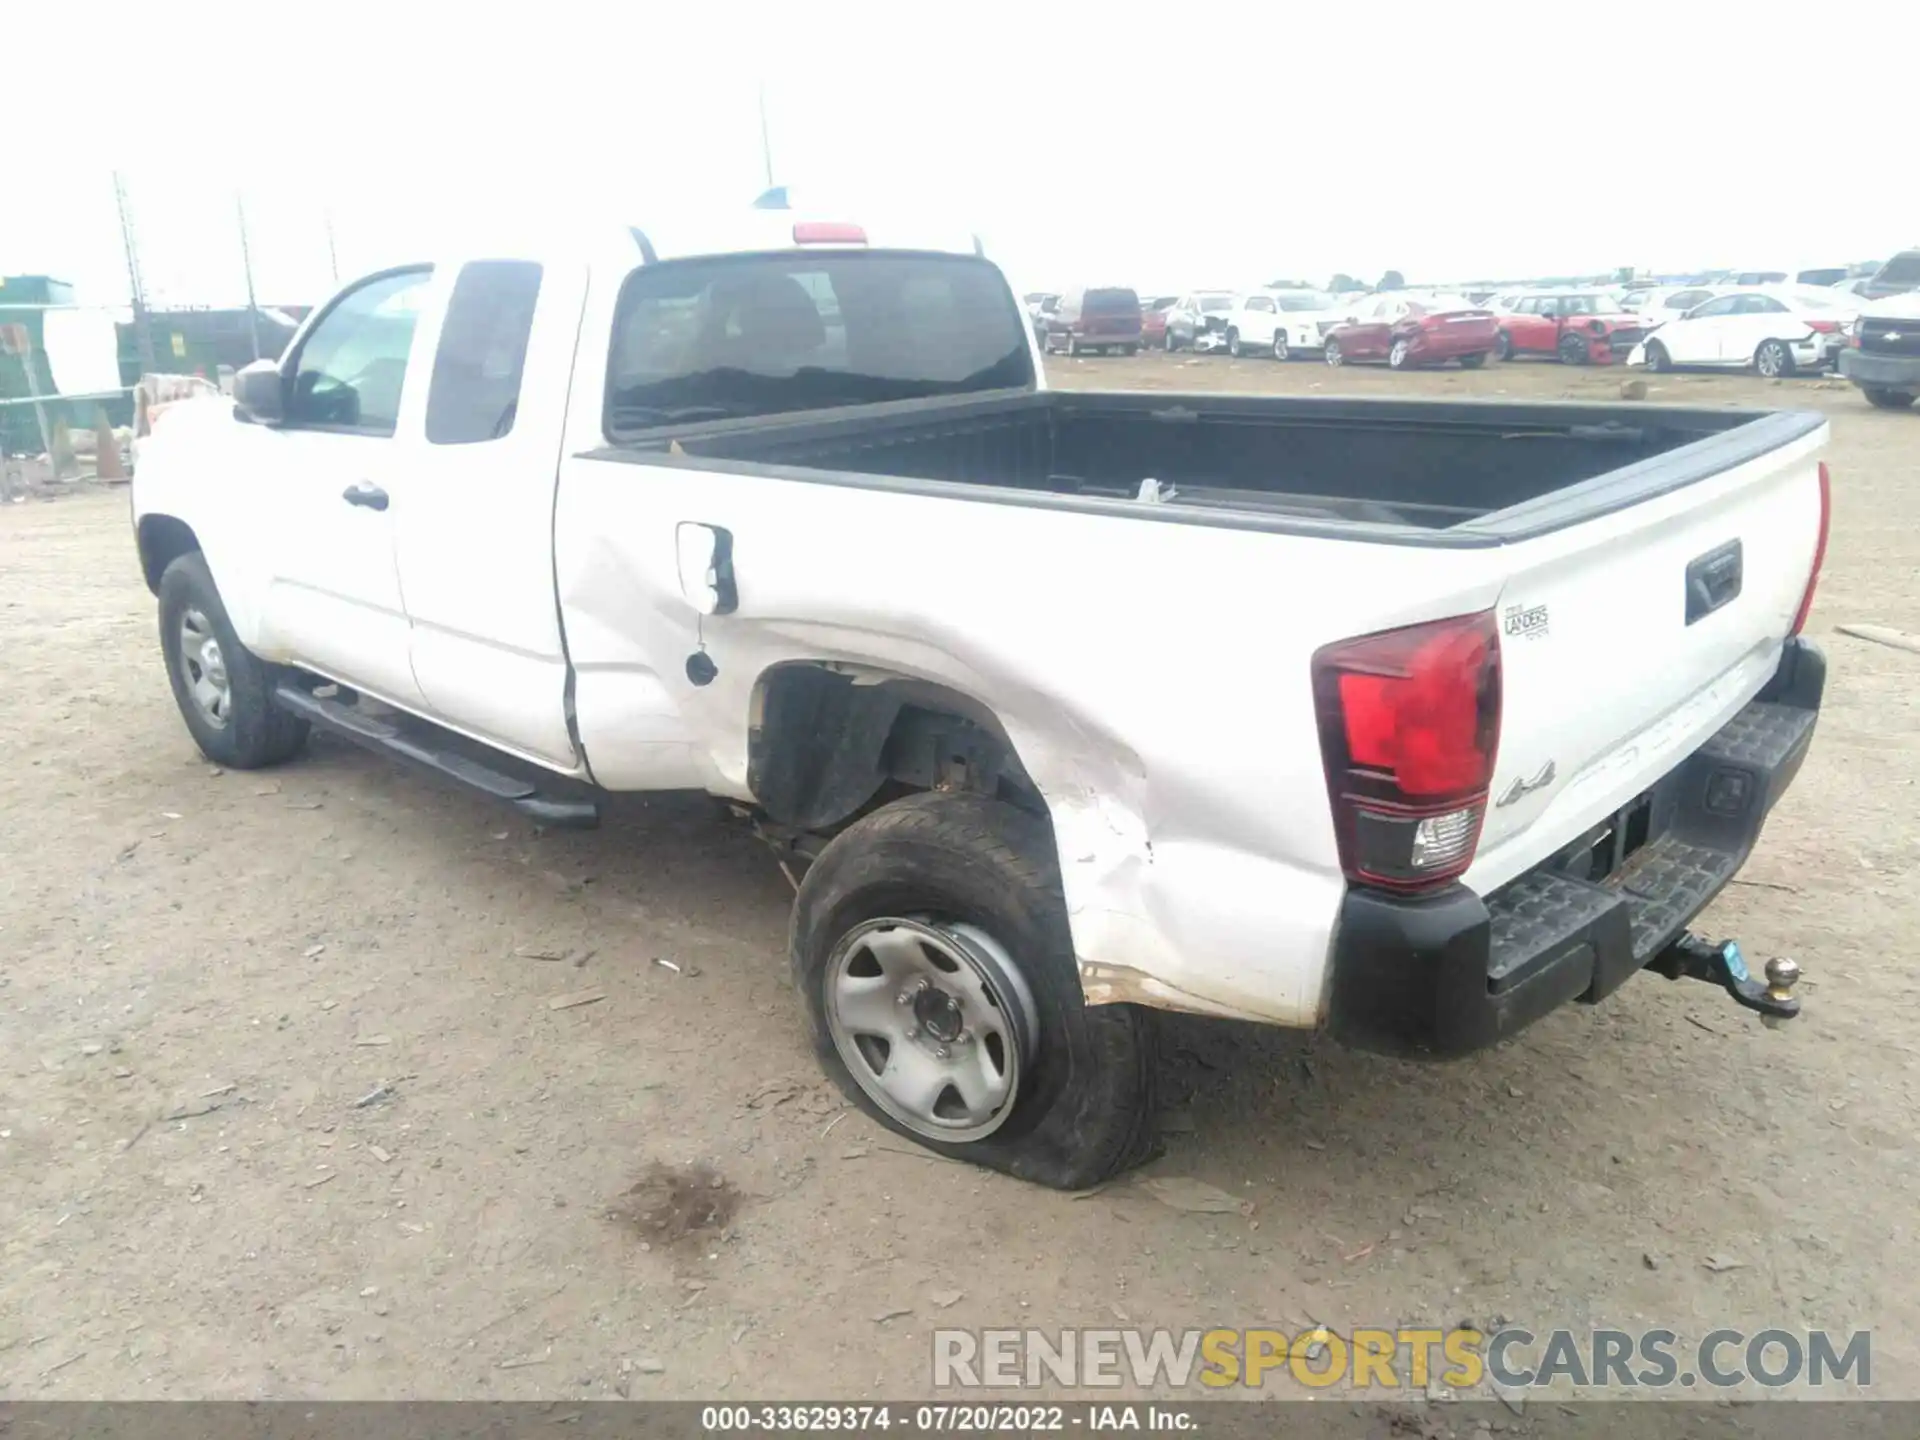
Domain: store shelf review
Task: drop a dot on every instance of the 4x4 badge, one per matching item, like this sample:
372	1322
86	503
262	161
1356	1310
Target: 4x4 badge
1519	789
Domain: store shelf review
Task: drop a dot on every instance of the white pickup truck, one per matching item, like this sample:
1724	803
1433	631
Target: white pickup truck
1409	720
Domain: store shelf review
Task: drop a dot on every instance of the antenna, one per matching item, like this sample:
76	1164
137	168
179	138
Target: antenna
246	264
766	146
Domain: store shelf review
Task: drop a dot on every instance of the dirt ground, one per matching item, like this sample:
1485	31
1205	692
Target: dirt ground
288	1109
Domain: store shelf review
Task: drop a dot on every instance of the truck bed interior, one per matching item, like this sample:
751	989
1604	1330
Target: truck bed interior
1421	464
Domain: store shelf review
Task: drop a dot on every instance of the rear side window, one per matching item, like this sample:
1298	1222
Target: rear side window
483	352
729	337
1112	302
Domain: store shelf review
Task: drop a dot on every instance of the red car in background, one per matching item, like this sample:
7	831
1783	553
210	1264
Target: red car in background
1407	330
1153	320
1582	327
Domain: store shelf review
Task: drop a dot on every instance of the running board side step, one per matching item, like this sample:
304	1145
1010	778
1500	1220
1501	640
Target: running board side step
416	744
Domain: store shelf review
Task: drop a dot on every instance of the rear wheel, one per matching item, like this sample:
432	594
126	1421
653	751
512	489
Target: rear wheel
1279	344
1574	350
1400	356
1658	360
1473	362
1168	342
930	942
1882	398
224	690
1233	343
1502	346
1073	344
1334	355
1129	349
1773	359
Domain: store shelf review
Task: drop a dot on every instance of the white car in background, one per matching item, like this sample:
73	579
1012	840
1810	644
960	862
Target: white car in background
1281	323
1657	307
1776	331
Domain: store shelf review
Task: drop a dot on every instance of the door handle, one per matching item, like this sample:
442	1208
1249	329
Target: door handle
370	496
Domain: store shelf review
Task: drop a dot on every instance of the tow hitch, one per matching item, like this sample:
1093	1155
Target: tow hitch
1693	958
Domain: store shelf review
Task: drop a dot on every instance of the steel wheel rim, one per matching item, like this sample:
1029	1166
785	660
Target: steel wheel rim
1397	356
1770	360
933	1022
203	667
1279	347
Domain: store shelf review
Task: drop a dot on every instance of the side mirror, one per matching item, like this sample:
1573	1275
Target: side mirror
260	392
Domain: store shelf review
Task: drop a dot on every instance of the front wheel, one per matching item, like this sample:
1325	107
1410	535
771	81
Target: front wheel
1503	347
1279	344
1129	349
930	942
1773	359
1073	345
1473	362
1574	350
1233	343
1882	398
1658	360
1169	342
1334	356
224	690
1400	356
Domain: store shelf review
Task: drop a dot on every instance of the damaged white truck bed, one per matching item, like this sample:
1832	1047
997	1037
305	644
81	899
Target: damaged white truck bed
1409	720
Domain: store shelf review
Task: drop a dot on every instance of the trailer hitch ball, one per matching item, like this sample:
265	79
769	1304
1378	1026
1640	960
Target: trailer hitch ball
1782	975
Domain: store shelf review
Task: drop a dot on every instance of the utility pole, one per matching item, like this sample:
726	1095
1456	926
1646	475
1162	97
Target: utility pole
766	146
246	264
142	328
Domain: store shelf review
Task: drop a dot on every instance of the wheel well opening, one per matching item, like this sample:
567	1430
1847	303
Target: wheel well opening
827	745
163	540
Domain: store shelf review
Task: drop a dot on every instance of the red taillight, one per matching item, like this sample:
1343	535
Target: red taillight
1824	327
1819	551
1409	727
828	232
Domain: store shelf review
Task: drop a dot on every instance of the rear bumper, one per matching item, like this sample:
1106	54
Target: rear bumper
1447	346
1864	367
1452	973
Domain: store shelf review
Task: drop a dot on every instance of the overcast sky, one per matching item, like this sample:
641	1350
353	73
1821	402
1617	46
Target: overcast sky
1198	145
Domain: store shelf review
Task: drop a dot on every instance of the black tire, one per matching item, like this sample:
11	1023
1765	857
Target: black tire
1280	350
1473	362
255	731
1233	344
1084	1110
1882	398
1658	360
1502	346
1129	349
1168	343
1774	360
1574	349
1333	354
1073	345
1400	355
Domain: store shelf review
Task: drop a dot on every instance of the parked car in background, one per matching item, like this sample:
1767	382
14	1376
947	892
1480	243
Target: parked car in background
1858	285
1099	319
1656	307
1882	356
1039	307
1282	322
1153	319
1896	277
1198	321
1581	327
1774	331
1825	277
1406	330
1754	277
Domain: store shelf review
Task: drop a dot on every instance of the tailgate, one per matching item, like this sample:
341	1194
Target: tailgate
1628	639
